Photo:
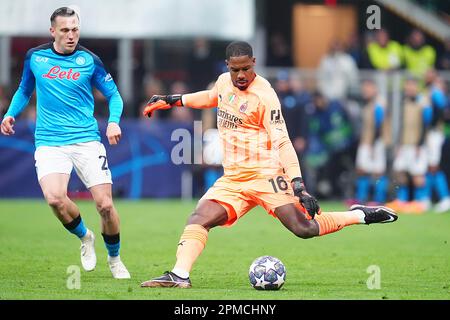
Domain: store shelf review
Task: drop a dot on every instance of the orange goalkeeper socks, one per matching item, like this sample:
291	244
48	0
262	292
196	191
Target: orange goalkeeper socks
334	221
191	245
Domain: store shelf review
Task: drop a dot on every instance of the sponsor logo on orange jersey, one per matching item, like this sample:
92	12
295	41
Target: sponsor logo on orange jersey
227	120
275	117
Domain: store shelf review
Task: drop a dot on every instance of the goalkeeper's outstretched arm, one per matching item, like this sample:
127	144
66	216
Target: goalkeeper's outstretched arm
198	100
201	100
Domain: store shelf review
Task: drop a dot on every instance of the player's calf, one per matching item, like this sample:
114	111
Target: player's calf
296	221
306	230
208	214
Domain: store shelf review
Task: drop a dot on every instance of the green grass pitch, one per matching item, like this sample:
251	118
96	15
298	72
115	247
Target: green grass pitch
413	256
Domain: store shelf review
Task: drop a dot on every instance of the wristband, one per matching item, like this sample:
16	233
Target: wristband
298	184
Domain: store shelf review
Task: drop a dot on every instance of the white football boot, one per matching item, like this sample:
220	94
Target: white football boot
88	257
118	269
442	206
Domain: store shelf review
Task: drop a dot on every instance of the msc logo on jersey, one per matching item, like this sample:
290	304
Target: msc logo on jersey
41	59
80	61
275	117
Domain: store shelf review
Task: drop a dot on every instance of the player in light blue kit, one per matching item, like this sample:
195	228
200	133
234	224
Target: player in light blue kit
67	136
436	178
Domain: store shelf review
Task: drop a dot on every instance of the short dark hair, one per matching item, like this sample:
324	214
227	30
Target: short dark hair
62	12
238	49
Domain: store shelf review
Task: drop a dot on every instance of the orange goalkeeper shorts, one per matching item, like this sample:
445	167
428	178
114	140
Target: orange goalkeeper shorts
239	197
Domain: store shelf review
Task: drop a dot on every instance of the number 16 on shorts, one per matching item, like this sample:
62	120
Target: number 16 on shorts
279	184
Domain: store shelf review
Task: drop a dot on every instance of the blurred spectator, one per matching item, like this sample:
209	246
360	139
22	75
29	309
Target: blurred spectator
357	51
445	157
209	115
371	153
364	61
302	97
4	102
101	110
152	86
411	154
293	98
436	178
279	54
330	139
288	102
212	147
300	90
384	53
201	65
337	73
444	60
29	113
299	126
354	48
180	114
418	55
212	157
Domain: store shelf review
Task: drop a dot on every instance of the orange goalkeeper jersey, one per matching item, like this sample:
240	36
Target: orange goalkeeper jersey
252	130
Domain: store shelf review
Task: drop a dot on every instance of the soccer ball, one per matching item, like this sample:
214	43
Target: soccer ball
267	273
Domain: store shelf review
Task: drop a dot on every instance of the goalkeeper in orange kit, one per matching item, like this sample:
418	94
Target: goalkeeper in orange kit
260	166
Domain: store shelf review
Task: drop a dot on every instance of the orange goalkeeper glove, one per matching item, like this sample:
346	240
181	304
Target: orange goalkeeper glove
150	107
162	102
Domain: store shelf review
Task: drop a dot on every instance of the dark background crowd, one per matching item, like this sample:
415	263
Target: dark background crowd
321	105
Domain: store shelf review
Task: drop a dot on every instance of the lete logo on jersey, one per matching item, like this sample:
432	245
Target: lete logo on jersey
57	72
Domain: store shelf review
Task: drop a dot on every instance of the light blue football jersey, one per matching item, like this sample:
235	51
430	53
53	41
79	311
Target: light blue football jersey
65	102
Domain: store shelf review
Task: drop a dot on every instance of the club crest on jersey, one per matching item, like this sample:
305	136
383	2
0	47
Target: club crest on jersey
80	61
243	107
